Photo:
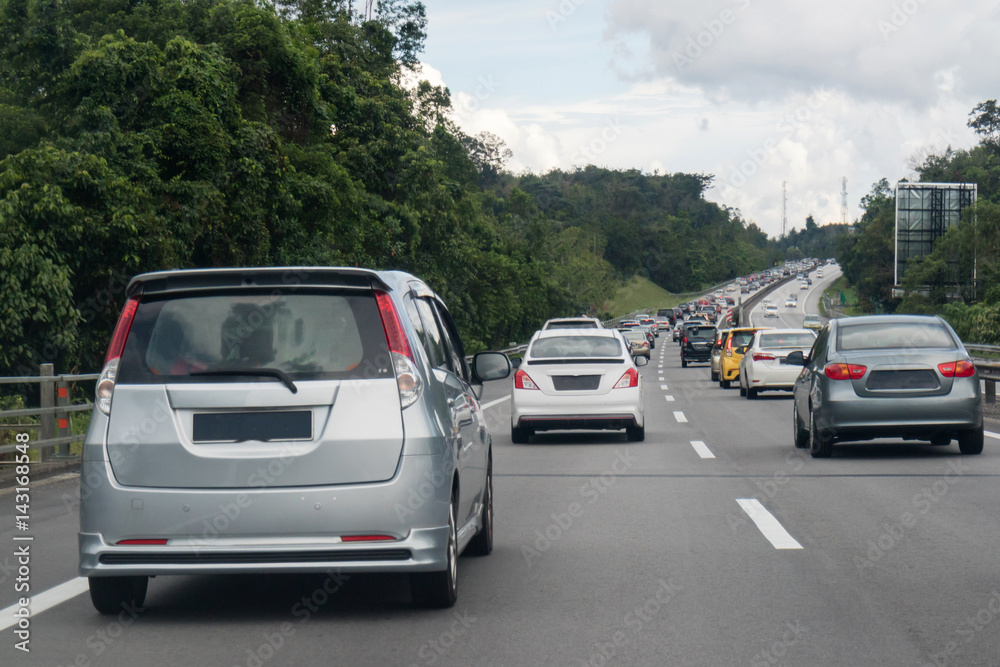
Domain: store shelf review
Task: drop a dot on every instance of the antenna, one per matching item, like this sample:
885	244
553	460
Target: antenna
784	208
843	201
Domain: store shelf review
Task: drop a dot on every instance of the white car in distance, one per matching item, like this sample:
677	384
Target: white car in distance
577	379
763	365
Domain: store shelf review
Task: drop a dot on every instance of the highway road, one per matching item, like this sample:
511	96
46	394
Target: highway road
714	542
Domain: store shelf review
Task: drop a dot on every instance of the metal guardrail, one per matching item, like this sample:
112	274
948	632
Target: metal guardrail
53	424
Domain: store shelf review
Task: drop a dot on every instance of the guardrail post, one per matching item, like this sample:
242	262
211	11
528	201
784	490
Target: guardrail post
48	394
991	391
62	418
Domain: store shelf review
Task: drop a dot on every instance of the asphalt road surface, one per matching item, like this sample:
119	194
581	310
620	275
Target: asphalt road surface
714	542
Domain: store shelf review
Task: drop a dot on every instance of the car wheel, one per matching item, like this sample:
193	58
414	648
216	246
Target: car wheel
111	594
800	435
636	433
743	390
724	383
439	589
820	445
684	362
519	435
751	393
971	442
482	543
715	376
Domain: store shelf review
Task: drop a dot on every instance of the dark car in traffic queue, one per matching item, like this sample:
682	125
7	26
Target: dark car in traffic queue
696	344
886	376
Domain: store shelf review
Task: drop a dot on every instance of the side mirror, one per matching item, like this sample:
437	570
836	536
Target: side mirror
742	349
516	363
488	366
796	358
637	359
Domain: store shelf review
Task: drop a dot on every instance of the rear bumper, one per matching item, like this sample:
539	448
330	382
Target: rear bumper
850	417
580	422
265	529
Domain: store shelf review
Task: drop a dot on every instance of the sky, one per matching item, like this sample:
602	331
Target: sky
755	92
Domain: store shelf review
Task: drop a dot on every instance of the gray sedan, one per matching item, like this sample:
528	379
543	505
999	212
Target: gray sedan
886	376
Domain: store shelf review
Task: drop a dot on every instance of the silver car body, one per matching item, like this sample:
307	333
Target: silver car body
763	366
898	384
238	473
574	381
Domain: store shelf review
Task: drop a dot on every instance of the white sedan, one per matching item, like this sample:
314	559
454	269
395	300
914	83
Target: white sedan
763	365
574	380
791	303
770	310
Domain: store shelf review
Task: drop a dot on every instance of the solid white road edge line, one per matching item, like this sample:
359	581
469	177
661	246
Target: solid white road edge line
990	434
767	524
703	451
681	419
45	600
496	402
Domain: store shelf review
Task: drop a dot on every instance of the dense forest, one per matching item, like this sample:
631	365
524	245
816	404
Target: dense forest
138	136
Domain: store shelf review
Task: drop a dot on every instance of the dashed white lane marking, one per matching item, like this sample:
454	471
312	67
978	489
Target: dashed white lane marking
496	402
46	600
767	524
670	399
703	451
681	419
663	387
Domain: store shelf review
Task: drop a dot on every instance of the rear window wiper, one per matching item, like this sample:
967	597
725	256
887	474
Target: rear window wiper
265	372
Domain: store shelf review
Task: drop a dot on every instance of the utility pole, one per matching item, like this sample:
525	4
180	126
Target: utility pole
843	201
784	208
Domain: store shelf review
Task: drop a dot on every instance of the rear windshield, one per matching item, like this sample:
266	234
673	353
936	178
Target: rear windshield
701	333
786	340
635	336
576	347
893	335
310	336
741	338
571	324
665	312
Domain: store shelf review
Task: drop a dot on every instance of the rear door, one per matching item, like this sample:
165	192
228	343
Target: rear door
196	404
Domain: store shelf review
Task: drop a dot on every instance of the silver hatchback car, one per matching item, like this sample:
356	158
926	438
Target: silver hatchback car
285	420
886	376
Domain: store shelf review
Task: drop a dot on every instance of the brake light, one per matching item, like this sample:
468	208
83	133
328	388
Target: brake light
763	356
685	340
845	371
957	369
628	380
407	378
729	347
522	381
106	382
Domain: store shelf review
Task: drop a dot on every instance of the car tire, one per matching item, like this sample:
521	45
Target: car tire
971	442
743	390
439	590
111	594
724	383
482	543
519	435
799	434
751	393
684	362
715	376
636	433
820	445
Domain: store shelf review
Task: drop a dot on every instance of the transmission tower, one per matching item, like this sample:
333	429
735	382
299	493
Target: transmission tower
843	201
784	208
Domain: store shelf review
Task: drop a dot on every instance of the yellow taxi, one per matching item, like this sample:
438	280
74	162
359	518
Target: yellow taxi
733	347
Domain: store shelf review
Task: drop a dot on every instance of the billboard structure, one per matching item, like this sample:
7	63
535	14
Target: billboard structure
924	212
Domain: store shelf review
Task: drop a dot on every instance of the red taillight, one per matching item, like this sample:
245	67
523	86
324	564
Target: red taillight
366	538
629	379
522	381
390	323
763	356
141	542
122	328
729	347
407	378
957	369
685	340
845	371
